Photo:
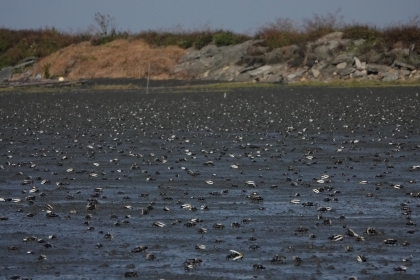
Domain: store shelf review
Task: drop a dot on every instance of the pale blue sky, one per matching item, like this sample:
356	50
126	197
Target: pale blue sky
242	16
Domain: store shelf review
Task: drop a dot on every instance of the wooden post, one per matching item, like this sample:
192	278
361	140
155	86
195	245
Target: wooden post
148	77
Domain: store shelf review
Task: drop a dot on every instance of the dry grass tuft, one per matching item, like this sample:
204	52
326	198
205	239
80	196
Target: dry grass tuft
117	59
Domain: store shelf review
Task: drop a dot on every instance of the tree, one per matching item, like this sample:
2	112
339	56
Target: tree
106	23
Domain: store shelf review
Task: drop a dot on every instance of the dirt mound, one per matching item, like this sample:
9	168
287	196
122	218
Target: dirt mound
117	59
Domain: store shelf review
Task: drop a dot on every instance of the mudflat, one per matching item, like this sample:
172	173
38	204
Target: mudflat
300	183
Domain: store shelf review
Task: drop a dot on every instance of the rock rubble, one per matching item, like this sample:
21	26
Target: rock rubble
327	59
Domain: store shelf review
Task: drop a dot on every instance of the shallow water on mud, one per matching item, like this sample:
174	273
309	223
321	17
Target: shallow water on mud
147	152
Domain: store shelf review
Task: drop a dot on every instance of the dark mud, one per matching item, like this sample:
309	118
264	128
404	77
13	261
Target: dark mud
80	165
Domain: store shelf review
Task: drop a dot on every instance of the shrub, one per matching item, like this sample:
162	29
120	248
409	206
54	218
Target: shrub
185	43
406	34
283	32
361	31
321	25
47	74
102	40
277	38
203	40
164	38
15	45
224	38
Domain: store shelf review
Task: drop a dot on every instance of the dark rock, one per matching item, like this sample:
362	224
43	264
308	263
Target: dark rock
376	68
280	55
372	70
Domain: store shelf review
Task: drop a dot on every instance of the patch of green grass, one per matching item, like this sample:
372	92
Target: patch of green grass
114	87
232	85
34	89
356	83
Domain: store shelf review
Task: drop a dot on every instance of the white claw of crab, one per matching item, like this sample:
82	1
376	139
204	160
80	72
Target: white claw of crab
239	255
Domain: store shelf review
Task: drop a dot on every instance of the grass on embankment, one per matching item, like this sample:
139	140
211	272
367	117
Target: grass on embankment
357	83
334	84
225	86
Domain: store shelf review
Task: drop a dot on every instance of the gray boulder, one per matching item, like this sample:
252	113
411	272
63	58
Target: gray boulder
342	58
316	73
405	72
342	65
259	72
389	77
243	77
376	68
359	65
23	64
299	73
371	57
275	78
211	60
324	47
399	63
357	74
6	74
359	42
281	55
345	71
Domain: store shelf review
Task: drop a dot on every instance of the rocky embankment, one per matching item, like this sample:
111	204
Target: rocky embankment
327	59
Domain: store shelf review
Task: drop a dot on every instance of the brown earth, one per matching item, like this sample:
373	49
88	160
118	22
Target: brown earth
117	59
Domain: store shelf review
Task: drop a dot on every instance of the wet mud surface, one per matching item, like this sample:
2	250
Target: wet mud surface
299	182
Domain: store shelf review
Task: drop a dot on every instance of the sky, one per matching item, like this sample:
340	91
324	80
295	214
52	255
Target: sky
240	16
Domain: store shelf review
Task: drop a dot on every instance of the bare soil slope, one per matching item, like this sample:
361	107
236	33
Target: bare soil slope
117	59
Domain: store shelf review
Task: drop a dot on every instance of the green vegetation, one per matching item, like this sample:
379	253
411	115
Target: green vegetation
35	89
47	74
114	87
231	85
356	83
228	87
16	45
188	39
